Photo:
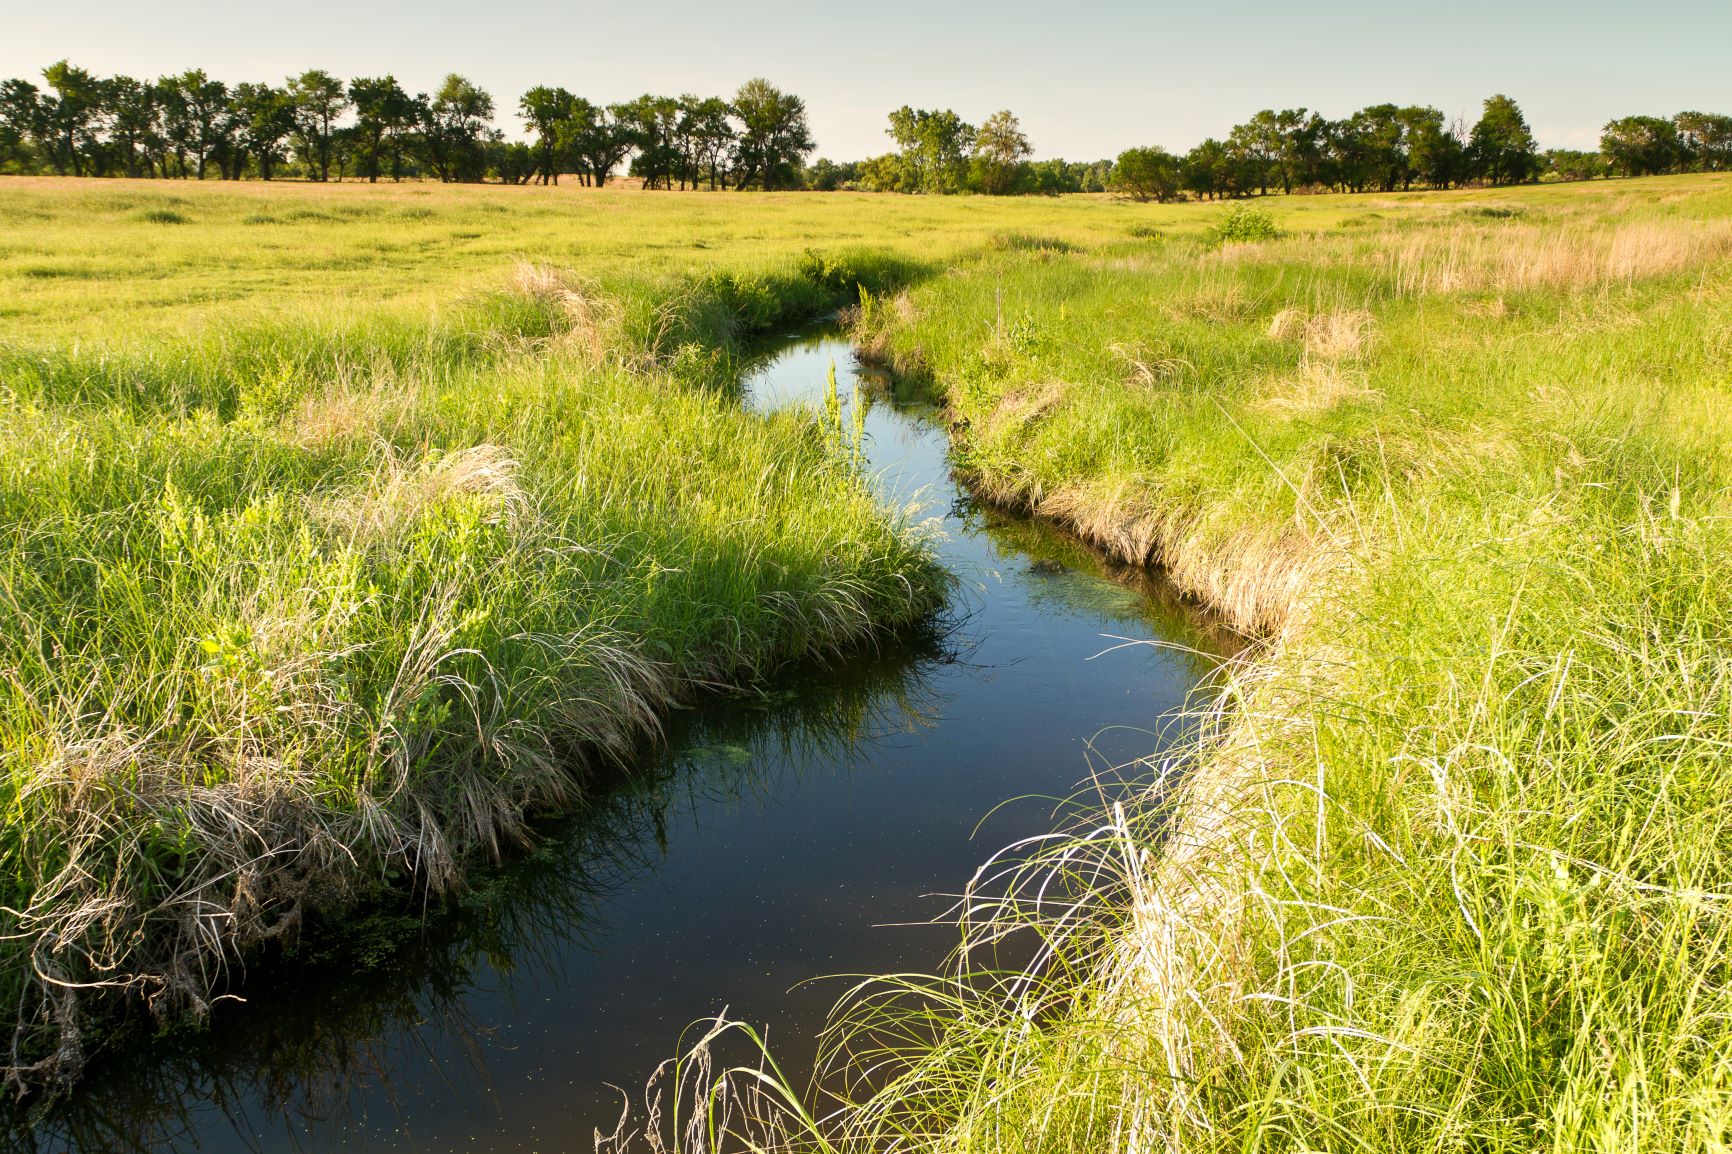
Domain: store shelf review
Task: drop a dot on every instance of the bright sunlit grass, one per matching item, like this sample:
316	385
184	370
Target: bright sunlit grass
1452	869
340	530
300	605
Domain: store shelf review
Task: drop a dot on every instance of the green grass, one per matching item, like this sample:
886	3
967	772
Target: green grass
1452	870
301	610
94	260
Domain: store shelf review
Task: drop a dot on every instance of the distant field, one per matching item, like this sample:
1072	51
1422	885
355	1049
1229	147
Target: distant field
117	258
110	260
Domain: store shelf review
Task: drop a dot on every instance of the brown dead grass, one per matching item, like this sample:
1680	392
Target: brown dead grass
401	492
1254	579
593	319
1531	256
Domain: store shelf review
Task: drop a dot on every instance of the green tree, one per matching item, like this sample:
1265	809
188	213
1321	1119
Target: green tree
1207	169
1641	145
22	121
1380	148
652	123
881	173
1258	144
202	125
206	116
707	136
1300	150
267	120
595	140
1145	174
456	127
774	138
71	117
134	132
935	146
1436	153
513	161
1054	178
1001	153
1504	150
320	101
1568	164
1706	138
825	175
545	112
383	114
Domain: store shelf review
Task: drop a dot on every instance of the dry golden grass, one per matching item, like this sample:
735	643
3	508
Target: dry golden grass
1576	257
400	492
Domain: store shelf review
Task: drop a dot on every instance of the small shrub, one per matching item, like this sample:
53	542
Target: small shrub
1145	232
1243	224
750	301
161	216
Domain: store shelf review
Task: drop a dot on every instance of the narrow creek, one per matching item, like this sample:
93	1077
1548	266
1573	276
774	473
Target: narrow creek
775	840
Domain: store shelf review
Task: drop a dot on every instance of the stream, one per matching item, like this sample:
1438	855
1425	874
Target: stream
773	840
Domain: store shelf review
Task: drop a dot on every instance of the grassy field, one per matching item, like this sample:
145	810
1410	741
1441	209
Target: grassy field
1452	870
120	260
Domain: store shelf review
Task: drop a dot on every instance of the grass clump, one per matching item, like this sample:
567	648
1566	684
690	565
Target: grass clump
162	216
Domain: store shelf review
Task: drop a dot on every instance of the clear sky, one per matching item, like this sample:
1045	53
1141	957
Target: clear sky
1087	77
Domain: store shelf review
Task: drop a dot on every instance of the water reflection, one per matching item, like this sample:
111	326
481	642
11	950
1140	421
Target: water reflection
324	1032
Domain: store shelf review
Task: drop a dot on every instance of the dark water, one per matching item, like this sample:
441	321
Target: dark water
776	840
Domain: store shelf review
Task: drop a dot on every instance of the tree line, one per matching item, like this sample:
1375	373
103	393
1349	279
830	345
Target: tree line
317	126
1387	147
938	152
191	126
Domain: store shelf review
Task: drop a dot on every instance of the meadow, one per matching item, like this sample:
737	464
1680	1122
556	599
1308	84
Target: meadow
125	260
1449	866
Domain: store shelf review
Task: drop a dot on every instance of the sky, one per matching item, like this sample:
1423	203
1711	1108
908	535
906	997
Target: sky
1087	78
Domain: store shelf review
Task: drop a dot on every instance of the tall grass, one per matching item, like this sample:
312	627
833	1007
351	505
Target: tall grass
302	612
1451	867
